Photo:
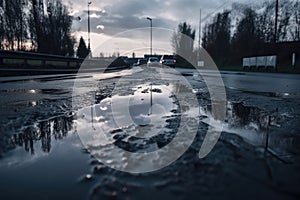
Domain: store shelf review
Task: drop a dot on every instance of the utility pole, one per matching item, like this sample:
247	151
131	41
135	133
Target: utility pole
276	21
200	29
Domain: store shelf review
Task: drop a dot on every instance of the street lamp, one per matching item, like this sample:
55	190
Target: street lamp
89	29
148	18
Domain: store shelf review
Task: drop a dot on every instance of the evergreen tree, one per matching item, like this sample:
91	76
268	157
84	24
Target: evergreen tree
82	51
51	30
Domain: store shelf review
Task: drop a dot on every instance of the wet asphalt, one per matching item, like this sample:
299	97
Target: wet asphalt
257	155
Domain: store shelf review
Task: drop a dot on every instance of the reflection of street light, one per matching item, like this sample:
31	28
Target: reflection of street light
150	34
151	99
89	30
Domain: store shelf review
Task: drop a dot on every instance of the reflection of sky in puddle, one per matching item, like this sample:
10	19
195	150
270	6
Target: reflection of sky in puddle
127	123
131	114
141	112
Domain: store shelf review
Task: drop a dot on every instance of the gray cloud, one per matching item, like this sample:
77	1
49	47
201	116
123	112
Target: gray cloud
119	15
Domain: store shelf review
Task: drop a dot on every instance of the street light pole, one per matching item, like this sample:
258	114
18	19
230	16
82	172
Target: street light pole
89	29
150	34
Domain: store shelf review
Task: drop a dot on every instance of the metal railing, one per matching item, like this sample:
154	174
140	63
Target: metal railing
36	60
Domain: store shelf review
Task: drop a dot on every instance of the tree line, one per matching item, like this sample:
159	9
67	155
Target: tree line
245	30
42	26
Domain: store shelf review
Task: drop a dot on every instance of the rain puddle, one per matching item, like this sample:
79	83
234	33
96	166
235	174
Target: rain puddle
143	119
258	128
270	94
136	122
38	137
42	156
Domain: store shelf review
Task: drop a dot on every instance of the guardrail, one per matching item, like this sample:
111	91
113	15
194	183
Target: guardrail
20	63
36	60
260	61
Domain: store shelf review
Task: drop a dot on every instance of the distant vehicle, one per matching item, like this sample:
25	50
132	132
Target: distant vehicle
168	60
119	62
131	61
141	62
153	61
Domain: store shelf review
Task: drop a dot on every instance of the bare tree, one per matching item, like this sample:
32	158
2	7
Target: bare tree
51	30
11	11
265	23
2	23
183	40
285	13
216	37
295	22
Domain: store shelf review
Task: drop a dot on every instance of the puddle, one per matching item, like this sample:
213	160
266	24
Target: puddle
45	155
38	137
140	125
138	122
255	126
269	94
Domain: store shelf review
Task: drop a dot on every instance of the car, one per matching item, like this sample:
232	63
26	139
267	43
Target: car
141	62
153	61
168	60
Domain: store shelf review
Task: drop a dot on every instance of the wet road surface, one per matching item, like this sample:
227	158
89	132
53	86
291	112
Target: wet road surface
257	156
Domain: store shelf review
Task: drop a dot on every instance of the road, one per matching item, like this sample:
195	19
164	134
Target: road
40	148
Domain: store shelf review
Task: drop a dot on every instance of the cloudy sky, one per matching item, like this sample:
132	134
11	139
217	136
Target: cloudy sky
121	25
